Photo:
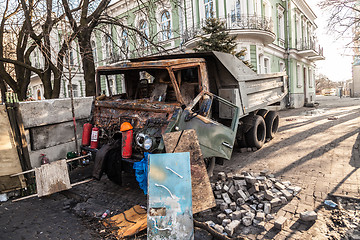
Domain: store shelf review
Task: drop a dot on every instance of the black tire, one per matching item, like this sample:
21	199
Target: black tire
256	136
272	124
113	168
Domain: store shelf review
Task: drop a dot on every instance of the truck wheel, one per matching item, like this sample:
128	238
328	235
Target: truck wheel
272	124
255	137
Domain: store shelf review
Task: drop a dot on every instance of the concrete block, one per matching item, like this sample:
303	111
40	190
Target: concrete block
279	186
222	176
308	216
267	207
275	202
264	172
218	187
249	149
259	196
268	183
233	206
253	206
219	228
240	182
247	221
245	207
263	187
232	191
226	198
243	150
221	217
240	193
228	211
260	216
224	206
286	194
280	223
47	112
232	227
225	222
269	217
219	202
218	196
269	195
283	200
250	179
260	206
236	215
238	176
225	188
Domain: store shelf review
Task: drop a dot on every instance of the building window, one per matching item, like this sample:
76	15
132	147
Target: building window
261	59
144	29
298	72
124	42
266	65
75	90
107	46
209	8
71	58
282	67
165	26
236	13
93	46
281	23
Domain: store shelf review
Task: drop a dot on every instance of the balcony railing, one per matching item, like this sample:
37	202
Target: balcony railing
234	22
309	45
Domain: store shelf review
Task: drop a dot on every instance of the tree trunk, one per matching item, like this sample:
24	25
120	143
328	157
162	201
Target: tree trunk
88	63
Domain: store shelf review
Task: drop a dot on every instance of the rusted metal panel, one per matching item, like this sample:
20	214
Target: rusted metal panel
187	141
169	197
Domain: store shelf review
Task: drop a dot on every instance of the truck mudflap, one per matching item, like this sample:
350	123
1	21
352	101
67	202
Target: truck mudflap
107	160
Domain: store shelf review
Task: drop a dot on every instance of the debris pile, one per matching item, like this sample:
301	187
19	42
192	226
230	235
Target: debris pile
249	199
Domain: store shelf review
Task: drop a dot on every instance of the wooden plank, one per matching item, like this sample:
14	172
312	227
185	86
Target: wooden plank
128	223
169	197
202	195
52	178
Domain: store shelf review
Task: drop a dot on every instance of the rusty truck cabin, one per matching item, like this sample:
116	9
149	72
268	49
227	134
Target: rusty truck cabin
171	81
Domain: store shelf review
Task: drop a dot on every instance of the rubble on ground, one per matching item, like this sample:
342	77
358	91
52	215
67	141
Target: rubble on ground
249	199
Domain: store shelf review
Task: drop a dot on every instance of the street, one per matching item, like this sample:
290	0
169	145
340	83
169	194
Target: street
316	149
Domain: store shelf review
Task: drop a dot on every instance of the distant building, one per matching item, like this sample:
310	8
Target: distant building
356	64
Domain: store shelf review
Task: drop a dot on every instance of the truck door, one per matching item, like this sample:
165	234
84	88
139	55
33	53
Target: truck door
216	131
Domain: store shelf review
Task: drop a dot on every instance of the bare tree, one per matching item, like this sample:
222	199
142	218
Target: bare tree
344	17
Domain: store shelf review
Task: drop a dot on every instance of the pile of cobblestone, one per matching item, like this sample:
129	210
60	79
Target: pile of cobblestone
249	199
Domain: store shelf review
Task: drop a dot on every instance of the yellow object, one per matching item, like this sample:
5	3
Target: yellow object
125	127
128	223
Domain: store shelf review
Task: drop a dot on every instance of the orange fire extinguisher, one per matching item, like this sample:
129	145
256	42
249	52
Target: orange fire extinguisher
127	139
94	138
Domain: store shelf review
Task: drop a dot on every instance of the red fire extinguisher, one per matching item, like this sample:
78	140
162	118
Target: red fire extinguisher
127	139
86	136
94	138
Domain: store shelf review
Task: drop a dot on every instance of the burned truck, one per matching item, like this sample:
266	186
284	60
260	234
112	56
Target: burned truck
214	93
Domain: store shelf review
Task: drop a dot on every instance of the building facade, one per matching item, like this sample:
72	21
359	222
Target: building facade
277	35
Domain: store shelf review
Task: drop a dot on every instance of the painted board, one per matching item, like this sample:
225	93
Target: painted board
52	178
187	141
170	197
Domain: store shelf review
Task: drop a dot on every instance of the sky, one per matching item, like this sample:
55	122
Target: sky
337	65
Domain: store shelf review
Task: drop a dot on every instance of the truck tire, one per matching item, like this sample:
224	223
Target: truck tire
272	124
113	168
255	137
